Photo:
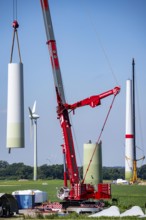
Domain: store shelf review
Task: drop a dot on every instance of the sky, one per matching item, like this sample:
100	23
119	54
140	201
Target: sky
96	42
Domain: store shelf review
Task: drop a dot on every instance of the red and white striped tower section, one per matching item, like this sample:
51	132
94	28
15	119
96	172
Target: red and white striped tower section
129	143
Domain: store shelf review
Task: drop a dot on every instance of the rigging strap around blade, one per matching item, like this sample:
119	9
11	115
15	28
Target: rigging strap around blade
98	140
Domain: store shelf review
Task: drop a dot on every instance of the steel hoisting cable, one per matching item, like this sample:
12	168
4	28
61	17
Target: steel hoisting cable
95	30
12	48
15	25
14	9
98	140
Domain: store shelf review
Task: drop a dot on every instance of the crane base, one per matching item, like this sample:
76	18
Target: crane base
80	204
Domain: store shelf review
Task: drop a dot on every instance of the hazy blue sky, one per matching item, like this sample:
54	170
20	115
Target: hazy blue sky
85	30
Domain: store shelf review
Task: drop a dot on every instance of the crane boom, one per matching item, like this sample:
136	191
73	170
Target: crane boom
52	49
93	101
61	111
78	190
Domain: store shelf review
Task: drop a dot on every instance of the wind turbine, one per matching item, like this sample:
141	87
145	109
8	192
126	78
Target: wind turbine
33	117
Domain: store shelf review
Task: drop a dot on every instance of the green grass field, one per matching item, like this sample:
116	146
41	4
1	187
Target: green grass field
49	186
127	195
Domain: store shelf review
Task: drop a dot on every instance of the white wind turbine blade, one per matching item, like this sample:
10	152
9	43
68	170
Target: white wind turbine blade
30	113
34	107
31	122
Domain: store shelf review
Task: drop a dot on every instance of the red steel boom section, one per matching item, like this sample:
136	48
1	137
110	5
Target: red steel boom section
78	191
93	101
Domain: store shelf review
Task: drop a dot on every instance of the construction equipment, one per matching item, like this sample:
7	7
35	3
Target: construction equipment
78	190
8	205
134	176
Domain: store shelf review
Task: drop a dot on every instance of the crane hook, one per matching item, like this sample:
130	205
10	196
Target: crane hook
15	24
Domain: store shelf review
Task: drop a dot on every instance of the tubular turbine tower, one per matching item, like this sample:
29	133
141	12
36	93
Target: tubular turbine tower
33	117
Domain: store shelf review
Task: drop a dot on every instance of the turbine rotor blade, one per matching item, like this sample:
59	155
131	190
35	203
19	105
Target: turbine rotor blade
30	112
34	107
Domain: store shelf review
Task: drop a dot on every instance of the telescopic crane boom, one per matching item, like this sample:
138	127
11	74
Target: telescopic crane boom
77	191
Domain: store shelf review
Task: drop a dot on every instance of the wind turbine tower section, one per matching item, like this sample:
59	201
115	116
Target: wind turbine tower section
15	106
94	175
129	137
15	98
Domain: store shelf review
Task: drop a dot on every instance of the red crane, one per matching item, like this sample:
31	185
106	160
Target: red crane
78	190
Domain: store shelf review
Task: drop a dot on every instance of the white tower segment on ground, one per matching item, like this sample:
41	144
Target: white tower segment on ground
129	137
15	106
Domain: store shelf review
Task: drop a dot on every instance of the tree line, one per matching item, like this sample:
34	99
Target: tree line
16	171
